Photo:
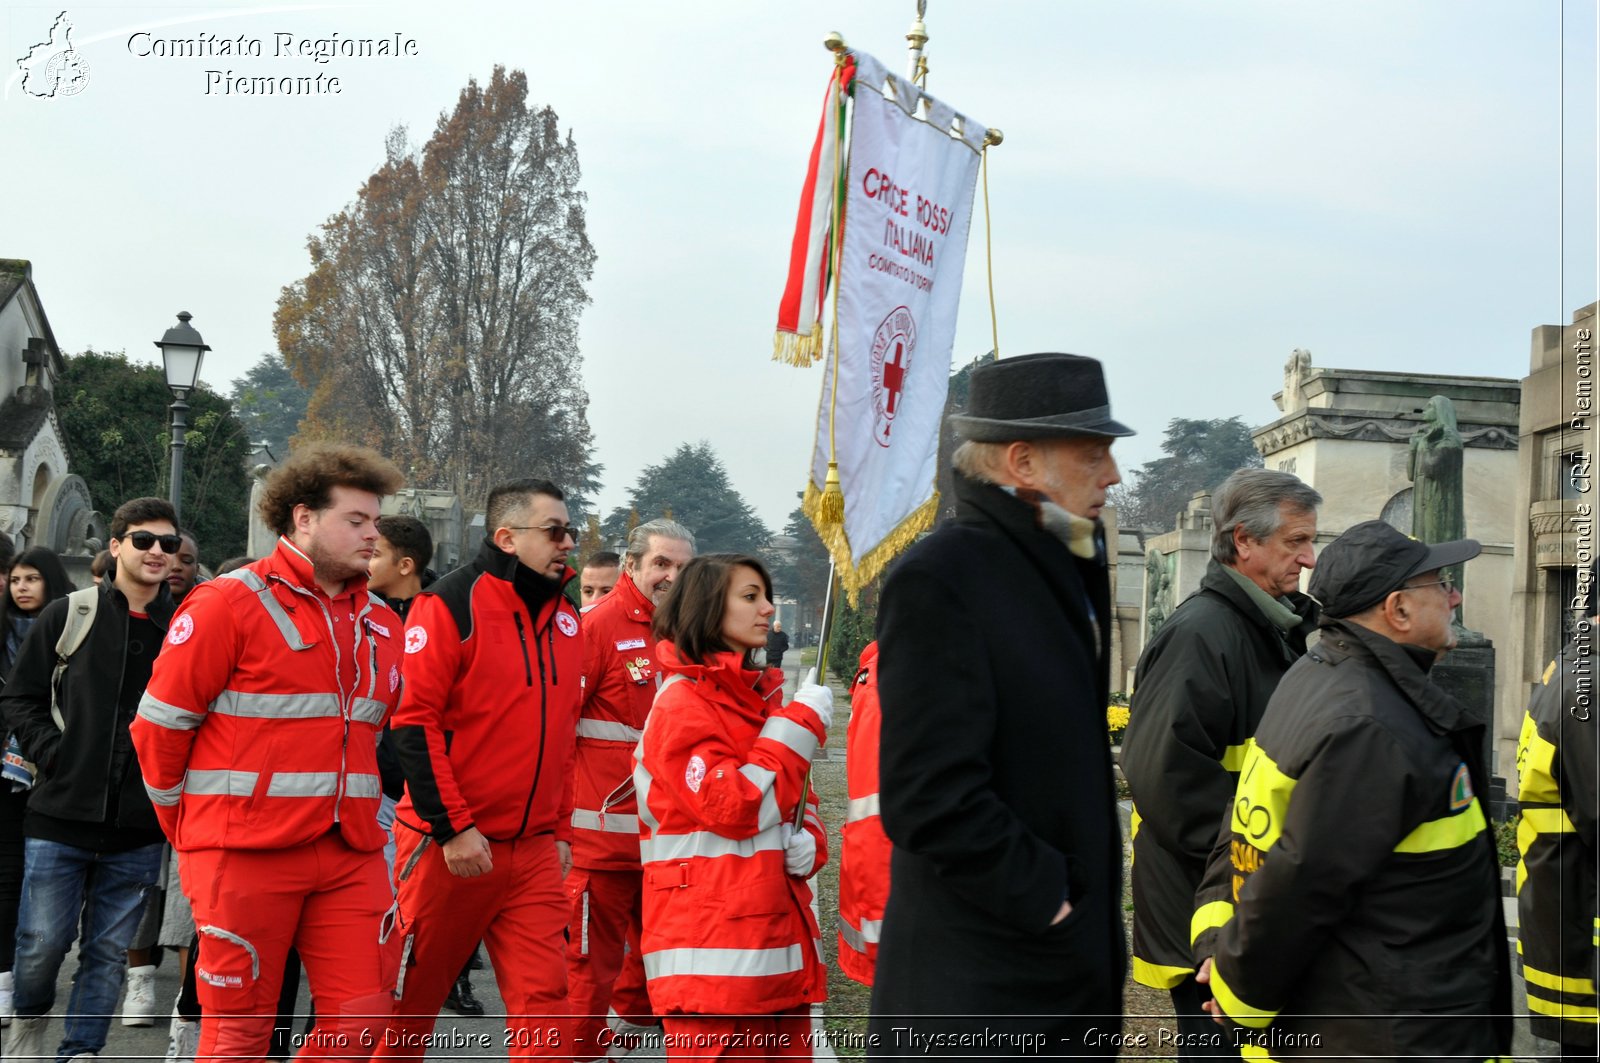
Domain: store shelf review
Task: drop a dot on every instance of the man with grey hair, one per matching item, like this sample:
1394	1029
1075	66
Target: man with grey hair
1200	688
1003	928
605	975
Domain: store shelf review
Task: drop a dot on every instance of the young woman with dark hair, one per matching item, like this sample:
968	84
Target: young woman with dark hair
37	578
729	831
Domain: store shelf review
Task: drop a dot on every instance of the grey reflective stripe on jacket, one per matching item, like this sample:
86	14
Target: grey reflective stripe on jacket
219	782
276	706
269	602
607	730
611	823
725	963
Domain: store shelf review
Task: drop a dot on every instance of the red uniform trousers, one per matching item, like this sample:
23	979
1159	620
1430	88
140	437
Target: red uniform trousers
332	903
782	1033
518	910
605	969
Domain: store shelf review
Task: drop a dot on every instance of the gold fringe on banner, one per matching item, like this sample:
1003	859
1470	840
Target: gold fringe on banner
794	349
854	577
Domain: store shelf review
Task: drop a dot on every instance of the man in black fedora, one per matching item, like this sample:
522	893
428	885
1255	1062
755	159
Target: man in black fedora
1352	905
1003	931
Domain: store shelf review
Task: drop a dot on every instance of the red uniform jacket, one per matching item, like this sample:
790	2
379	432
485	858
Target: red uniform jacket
484	729
619	683
259	727
721	771
864	851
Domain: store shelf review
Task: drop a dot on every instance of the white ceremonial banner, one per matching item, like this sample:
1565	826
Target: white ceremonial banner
913	163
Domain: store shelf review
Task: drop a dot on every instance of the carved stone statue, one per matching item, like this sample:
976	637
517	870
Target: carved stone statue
1157	591
1434	466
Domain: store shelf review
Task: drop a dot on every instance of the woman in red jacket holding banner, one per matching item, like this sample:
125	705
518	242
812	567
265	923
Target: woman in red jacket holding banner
731	948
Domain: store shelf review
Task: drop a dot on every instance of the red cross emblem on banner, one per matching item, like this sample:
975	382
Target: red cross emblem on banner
893	345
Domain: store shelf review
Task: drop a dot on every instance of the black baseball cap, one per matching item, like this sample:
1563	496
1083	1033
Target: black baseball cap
1371	560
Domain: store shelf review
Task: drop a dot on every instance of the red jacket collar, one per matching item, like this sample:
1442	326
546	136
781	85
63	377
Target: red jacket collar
724	670
288	563
638	606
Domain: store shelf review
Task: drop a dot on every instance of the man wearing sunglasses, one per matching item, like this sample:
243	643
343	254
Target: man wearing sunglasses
1352	905
92	840
485	731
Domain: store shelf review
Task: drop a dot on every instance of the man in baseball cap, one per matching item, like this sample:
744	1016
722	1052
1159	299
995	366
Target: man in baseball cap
1357	842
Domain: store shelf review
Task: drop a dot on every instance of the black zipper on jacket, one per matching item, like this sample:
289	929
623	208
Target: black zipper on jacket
544	716
522	637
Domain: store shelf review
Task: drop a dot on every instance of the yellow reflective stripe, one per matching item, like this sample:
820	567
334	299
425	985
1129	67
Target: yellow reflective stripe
1250	1051
1207	916
1568	1012
1240	1012
1134	819
1451	832
1536	767
1549	670
1557	982
1547	820
1262	799
1157	976
1233	757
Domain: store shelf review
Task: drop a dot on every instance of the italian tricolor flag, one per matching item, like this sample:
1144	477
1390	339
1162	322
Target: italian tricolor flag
815	251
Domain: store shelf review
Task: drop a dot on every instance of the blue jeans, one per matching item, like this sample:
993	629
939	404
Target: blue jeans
60	884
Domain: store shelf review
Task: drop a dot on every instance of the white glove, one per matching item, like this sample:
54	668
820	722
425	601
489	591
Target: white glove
799	852
817	698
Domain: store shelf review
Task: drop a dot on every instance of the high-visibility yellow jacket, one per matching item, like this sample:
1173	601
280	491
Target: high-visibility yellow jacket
1352	905
1556	837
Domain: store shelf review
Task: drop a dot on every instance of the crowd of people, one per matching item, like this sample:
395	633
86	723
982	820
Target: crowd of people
331	759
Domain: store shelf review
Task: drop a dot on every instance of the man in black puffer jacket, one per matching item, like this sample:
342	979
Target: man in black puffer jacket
1200	688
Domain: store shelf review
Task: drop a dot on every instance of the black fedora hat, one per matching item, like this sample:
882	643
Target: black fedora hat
1038	396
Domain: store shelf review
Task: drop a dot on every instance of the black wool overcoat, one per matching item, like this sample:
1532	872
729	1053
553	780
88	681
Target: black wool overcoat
996	790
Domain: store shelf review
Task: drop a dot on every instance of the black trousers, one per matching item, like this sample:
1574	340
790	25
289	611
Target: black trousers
1199	1036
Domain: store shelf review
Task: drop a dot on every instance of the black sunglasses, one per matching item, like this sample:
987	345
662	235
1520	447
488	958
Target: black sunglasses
555	532
143	540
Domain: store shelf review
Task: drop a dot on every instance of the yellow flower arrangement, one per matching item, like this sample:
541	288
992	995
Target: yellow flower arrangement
1116	717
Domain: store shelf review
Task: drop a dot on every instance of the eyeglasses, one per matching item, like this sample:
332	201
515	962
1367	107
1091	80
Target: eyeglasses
556	533
143	540
1449	586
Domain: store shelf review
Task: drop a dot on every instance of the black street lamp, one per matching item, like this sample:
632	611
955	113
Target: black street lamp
182	350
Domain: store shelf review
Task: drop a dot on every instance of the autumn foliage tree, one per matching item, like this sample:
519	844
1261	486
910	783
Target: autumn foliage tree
439	321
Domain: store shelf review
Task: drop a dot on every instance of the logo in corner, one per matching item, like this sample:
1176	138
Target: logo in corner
892	346
1461	788
54	67
567	623
416	638
695	774
181	629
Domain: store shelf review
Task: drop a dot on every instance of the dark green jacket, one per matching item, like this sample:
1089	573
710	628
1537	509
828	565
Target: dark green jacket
1199	691
1352	908
1556	903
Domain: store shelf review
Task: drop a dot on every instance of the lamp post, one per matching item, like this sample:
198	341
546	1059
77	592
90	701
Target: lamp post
182	351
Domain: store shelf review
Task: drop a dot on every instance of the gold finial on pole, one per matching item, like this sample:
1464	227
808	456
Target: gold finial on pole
993	137
834	42
916	37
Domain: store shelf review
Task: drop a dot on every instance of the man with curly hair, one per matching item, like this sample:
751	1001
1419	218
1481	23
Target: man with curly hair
257	738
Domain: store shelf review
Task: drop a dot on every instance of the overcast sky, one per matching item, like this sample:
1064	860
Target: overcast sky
1187	191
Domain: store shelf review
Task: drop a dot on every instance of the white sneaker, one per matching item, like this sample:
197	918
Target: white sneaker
25	1038
139	1007
8	1006
183	1039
